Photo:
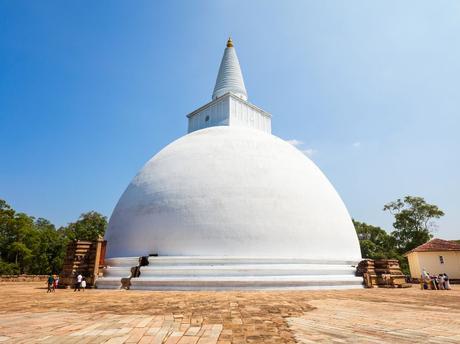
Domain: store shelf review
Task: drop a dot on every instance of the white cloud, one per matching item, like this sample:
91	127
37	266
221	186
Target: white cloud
308	152
356	144
295	142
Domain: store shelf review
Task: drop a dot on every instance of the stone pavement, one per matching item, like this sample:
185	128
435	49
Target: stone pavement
29	315
343	321
65	327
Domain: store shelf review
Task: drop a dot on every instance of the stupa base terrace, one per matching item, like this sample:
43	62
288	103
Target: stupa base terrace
227	273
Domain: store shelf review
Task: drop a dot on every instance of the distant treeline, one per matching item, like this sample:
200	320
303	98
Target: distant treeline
31	245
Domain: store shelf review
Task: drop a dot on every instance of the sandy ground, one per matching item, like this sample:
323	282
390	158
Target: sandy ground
29	315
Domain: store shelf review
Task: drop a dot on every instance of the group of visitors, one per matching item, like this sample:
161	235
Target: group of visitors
80	283
53	283
434	282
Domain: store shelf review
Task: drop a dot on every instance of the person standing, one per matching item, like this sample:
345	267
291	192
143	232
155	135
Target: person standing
83	283
78	284
434	282
50	283
446	282
440	281
426	279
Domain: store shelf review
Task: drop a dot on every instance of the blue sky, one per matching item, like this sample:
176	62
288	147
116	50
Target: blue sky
90	90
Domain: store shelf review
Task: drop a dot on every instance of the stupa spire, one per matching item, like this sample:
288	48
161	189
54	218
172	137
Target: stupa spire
230	78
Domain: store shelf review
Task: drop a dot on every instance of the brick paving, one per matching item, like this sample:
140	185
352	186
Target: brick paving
29	315
343	321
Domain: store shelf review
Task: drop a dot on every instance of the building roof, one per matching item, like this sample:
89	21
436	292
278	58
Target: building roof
437	245
230	78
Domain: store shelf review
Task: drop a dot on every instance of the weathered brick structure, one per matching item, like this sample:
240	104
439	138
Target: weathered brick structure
382	273
85	257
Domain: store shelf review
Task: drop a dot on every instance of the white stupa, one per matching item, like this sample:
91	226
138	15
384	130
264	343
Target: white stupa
229	205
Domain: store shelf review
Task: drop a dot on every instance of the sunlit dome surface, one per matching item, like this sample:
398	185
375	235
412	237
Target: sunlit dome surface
232	192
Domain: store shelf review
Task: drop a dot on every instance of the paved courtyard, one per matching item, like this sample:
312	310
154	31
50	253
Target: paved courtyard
29	315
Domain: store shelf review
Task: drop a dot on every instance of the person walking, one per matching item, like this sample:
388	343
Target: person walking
56	282
83	283
50	283
78	284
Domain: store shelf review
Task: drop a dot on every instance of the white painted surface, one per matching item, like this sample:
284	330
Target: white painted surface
229	110
215	113
221	273
116	269
431	263
230	191
217	273
244	114
230	78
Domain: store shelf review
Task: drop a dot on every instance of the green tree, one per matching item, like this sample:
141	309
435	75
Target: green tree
22	241
34	246
89	226
50	249
17	238
374	241
8	268
413	221
6	224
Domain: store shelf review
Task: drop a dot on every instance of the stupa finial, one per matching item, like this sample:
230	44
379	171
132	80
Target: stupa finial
230	78
229	42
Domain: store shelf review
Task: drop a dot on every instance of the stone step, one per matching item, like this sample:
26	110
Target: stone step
108	283
121	272
83	248
246	282
245	270
193	260
124	261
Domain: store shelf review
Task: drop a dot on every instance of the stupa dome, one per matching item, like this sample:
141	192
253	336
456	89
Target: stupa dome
229	191
229	205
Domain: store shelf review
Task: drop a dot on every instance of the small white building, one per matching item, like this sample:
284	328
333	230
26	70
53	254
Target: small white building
435	256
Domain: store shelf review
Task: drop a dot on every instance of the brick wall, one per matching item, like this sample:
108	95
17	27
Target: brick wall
23	278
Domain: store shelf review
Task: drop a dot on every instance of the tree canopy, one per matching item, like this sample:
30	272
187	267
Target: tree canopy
89	226
414	221
35	246
413	226
374	241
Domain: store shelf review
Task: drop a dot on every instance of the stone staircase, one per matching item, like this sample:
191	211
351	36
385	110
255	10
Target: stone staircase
82	257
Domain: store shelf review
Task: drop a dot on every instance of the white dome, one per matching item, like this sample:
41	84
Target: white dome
236	192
